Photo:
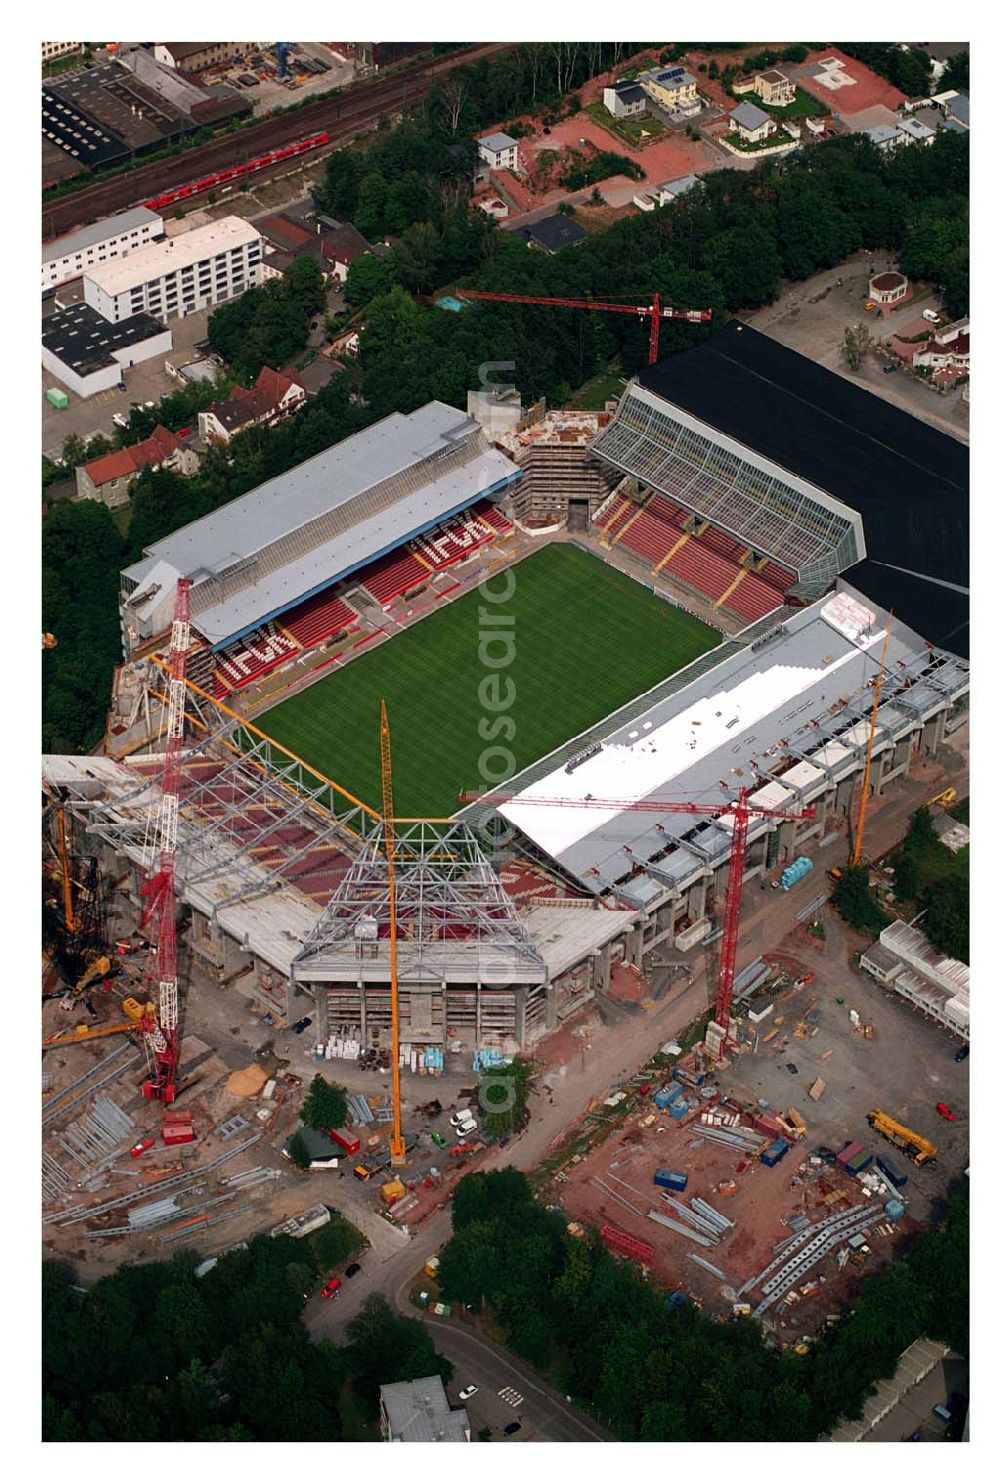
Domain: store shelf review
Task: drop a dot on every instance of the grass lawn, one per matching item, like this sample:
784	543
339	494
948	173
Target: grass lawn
634	131
592	395
803	106
586	640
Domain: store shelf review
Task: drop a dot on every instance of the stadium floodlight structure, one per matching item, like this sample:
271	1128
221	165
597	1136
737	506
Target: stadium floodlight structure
656	311
741	812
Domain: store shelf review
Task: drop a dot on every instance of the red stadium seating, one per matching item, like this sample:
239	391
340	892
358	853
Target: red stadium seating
753	598
648	535
249	659
318	618
457	538
394	575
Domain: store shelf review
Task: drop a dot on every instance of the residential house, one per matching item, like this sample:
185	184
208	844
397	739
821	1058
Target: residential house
332	244
957	109
751	123
499	151
948	349
774	89
552	233
493	208
673	89
108	478
625	100
887	137
917	131
418	1410
675	187
274	397
792	129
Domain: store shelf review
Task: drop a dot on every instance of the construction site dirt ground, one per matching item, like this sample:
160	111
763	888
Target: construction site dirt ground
905	1065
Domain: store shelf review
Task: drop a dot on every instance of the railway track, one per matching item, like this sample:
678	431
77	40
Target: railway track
343	116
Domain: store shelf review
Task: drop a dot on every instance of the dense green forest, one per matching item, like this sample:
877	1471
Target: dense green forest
591	1324
726	246
154	1352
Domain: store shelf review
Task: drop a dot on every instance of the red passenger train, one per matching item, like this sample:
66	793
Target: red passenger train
223	177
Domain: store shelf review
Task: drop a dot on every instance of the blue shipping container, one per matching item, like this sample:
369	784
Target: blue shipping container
795	872
670	1179
774	1152
675	1300
661	1100
894	1210
892	1170
679	1108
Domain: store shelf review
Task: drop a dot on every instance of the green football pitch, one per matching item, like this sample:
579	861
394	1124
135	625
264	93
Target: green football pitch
586	639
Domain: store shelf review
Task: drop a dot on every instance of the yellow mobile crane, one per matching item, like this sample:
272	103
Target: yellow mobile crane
397	1144
921	1150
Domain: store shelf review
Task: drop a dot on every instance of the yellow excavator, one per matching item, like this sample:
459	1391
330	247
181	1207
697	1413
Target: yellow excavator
921	1150
137	1014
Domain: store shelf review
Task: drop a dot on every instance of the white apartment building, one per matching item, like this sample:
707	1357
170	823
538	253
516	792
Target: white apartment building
70	256
52	49
499	151
171	279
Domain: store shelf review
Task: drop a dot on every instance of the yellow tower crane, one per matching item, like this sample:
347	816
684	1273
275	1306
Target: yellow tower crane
397	1144
863	805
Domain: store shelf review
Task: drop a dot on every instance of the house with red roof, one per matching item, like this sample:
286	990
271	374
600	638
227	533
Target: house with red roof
108	478
274	397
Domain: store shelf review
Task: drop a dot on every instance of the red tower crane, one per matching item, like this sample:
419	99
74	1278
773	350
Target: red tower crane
654	311
741	812
160	1034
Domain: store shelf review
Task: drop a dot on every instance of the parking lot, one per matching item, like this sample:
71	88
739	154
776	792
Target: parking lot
811	316
147	381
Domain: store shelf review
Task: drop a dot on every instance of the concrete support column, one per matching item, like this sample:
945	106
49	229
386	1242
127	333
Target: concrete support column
444	1015
321	1001
633	946
602	969
364	1009
479	1013
520	1000
696	899
551	1013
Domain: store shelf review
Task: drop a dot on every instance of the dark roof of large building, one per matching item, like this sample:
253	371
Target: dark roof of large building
909	482
553	232
85	341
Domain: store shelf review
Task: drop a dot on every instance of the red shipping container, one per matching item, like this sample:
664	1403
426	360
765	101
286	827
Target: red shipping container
176	1133
346	1140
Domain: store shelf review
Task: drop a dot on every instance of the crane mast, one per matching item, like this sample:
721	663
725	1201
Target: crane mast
397	1144
859	833
161	1034
740	809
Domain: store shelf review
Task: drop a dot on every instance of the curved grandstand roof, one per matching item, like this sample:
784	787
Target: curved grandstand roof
302	531
908	481
754	498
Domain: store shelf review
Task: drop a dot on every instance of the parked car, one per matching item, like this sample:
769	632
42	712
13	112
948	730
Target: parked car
121	421
458	1118
439	1140
466	1128
945	1111
332	1287
468	1391
352	1270
792	1068
961	1053
301	1025
512	1428
184	431
889	368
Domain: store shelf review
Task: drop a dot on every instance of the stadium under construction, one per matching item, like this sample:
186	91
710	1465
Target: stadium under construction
779	503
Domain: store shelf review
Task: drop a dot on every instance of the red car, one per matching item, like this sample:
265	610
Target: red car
946	1112
185	430
141	1147
332	1287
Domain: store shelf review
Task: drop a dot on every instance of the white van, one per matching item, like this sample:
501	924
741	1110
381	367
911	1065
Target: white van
930	316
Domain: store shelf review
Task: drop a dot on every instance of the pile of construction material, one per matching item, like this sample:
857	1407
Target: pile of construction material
426	1062
804	1249
697	1221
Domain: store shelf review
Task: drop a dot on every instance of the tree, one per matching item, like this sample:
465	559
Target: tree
946	921
371	276
370	213
853	899
325	1105
856	345
298	1152
304	285
956	73
384	1348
